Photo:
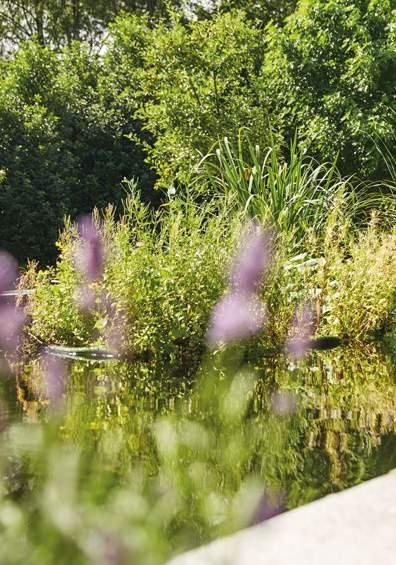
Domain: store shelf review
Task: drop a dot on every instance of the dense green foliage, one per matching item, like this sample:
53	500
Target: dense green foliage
330	73
201	81
165	271
161	281
261	11
63	150
165	89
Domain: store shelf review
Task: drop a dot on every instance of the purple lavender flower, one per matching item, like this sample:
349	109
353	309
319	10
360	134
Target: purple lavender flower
236	316
12	320
271	504
114	553
297	348
55	375
90	255
8	271
283	403
85	299
253	261
301	331
240	313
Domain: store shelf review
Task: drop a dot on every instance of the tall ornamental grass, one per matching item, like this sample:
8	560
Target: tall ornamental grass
295	194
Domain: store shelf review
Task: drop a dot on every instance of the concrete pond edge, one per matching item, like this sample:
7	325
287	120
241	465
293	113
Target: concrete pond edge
353	527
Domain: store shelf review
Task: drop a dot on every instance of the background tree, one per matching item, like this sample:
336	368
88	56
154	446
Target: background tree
64	147
57	23
261	11
198	84
330	73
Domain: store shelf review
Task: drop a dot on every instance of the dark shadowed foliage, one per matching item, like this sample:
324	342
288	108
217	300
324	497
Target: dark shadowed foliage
64	147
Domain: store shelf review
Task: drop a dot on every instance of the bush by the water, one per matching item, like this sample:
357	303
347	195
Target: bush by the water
166	270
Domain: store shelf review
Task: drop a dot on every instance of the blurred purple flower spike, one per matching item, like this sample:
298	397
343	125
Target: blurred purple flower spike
253	261
240	313
301	331
114	553
85	299
8	271
55	375
236	316
297	348
90	255
12	320
271	504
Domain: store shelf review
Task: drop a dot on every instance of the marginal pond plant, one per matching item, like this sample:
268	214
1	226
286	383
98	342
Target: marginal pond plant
164	271
288	189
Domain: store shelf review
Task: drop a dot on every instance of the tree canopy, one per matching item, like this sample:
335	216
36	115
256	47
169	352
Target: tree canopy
162	88
57	23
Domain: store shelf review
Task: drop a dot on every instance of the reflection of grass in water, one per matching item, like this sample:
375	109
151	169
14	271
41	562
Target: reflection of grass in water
348	389
358	387
350	398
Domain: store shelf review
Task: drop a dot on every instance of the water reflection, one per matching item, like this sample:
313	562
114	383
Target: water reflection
338	431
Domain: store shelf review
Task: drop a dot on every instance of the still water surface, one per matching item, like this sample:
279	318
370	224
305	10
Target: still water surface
319	426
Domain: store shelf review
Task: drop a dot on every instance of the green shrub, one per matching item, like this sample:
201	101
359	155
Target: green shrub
261	11
357	294
199	83
165	272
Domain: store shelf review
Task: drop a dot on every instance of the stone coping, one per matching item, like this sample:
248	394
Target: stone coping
354	527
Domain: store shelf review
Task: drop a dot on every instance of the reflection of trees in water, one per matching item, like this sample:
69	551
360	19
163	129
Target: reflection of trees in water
341	434
349	400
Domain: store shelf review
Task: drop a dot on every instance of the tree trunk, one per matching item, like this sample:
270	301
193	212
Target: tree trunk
39	21
76	24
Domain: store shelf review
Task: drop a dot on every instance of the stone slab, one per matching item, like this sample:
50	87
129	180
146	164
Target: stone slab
353	527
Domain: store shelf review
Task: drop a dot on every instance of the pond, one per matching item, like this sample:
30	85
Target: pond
294	431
